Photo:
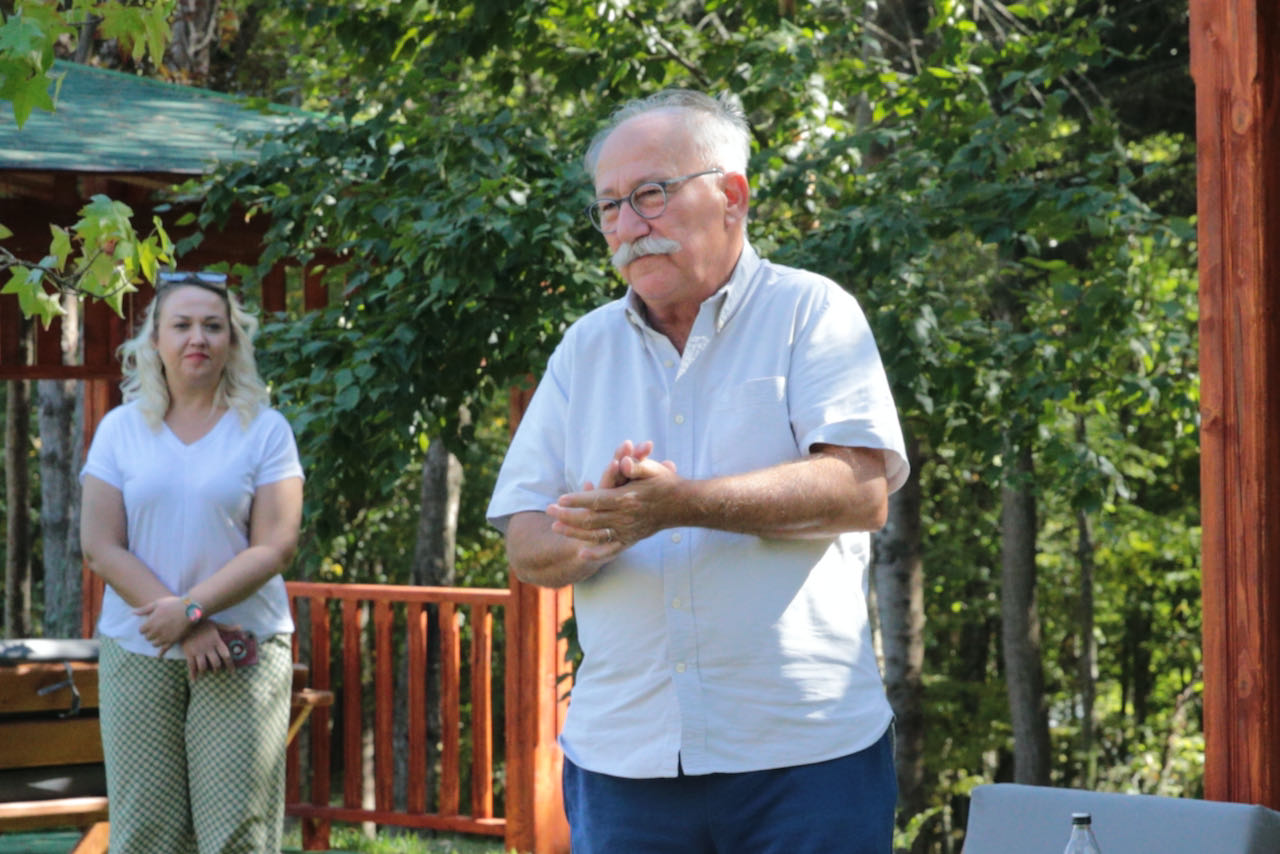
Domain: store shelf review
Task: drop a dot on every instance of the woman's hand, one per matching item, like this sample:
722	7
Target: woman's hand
166	622
205	650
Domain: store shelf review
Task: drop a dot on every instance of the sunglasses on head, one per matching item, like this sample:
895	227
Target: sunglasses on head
212	282
180	277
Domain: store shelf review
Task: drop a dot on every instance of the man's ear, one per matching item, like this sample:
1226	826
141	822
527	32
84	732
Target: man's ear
737	194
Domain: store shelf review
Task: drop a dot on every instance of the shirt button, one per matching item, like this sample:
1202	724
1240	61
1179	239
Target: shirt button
675	538
680	667
675	603
668	363
679	419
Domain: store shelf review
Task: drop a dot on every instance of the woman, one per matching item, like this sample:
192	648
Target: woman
192	500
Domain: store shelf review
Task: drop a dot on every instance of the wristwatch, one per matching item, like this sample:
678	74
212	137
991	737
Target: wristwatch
195	611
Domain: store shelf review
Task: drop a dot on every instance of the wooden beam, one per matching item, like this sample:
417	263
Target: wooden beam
39	743
1235	60
537	700
535	659
60	812
20	686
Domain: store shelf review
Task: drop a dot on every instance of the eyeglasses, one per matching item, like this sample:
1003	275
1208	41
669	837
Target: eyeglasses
649	200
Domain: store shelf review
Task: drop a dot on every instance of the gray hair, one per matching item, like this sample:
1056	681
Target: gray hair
241	388
717	127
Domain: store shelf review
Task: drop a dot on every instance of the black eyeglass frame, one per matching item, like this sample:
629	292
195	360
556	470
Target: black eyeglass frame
593	209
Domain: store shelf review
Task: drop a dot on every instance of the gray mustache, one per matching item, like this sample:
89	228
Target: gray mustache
648	245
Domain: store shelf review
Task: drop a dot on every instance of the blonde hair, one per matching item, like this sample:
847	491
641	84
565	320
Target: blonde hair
241	388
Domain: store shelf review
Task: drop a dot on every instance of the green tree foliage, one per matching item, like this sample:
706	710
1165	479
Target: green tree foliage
988	187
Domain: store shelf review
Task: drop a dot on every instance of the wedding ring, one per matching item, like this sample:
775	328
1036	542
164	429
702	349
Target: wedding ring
608	534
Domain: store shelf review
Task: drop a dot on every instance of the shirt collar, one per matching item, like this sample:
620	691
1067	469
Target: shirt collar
740	284
725	301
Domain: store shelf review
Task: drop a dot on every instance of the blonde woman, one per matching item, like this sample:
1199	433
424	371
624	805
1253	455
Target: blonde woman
192	500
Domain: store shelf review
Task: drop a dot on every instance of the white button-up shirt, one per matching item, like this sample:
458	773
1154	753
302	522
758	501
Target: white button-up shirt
721	651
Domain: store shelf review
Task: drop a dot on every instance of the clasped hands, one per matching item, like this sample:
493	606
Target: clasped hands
166	625
625	506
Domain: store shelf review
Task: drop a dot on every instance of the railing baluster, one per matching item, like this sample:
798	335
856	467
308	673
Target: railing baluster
316	831
384	691
352	702
481	712
416	618
450	698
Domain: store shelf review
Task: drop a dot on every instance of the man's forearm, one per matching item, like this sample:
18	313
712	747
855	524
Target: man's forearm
832	492
540	556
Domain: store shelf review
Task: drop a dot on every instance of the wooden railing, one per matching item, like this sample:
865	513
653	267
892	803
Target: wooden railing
384	632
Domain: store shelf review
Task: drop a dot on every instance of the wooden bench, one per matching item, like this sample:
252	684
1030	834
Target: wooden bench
49	737
49	740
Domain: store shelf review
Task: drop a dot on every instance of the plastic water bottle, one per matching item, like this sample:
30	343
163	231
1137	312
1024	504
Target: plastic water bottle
1082	840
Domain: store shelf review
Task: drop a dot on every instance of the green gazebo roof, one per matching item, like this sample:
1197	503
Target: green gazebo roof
107	121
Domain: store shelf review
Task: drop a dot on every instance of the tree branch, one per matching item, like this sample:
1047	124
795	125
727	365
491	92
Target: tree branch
671	50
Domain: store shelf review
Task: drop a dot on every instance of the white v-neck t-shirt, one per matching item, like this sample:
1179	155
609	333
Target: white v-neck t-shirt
187	508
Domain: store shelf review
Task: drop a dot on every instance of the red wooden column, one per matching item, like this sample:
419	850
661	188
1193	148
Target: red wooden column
535	710
99	397
1235	60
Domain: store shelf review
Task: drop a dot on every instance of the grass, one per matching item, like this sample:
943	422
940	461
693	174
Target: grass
342	839
399	841
36	842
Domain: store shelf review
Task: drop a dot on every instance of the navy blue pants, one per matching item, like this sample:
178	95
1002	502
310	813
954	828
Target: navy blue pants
841	806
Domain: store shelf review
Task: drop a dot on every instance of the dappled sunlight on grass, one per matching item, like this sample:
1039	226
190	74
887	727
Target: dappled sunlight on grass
398	841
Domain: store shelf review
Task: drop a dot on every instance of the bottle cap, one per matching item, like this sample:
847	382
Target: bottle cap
1081	818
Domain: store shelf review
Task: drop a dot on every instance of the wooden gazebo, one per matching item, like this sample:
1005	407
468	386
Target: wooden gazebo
125	137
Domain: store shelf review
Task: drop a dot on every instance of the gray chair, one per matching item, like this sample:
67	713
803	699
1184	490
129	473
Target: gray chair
1006	818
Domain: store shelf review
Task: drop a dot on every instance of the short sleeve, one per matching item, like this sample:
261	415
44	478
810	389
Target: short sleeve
839	394
532	473
279	457
102	461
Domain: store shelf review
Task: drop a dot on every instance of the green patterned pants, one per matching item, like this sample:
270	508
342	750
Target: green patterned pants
195	765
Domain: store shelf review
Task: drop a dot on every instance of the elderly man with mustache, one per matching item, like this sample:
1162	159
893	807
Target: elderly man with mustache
728	699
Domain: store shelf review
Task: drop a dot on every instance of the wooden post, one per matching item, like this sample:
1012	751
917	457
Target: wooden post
1235	60
535	810
100	396
535	710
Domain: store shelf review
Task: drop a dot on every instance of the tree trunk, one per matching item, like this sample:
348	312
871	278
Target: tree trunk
1138	631
433	565
250	22
17	565
898	574
433	556
60	431
61	420
195	31
1088	646
1020	621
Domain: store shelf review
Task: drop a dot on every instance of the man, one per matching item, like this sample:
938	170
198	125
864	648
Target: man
728	699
